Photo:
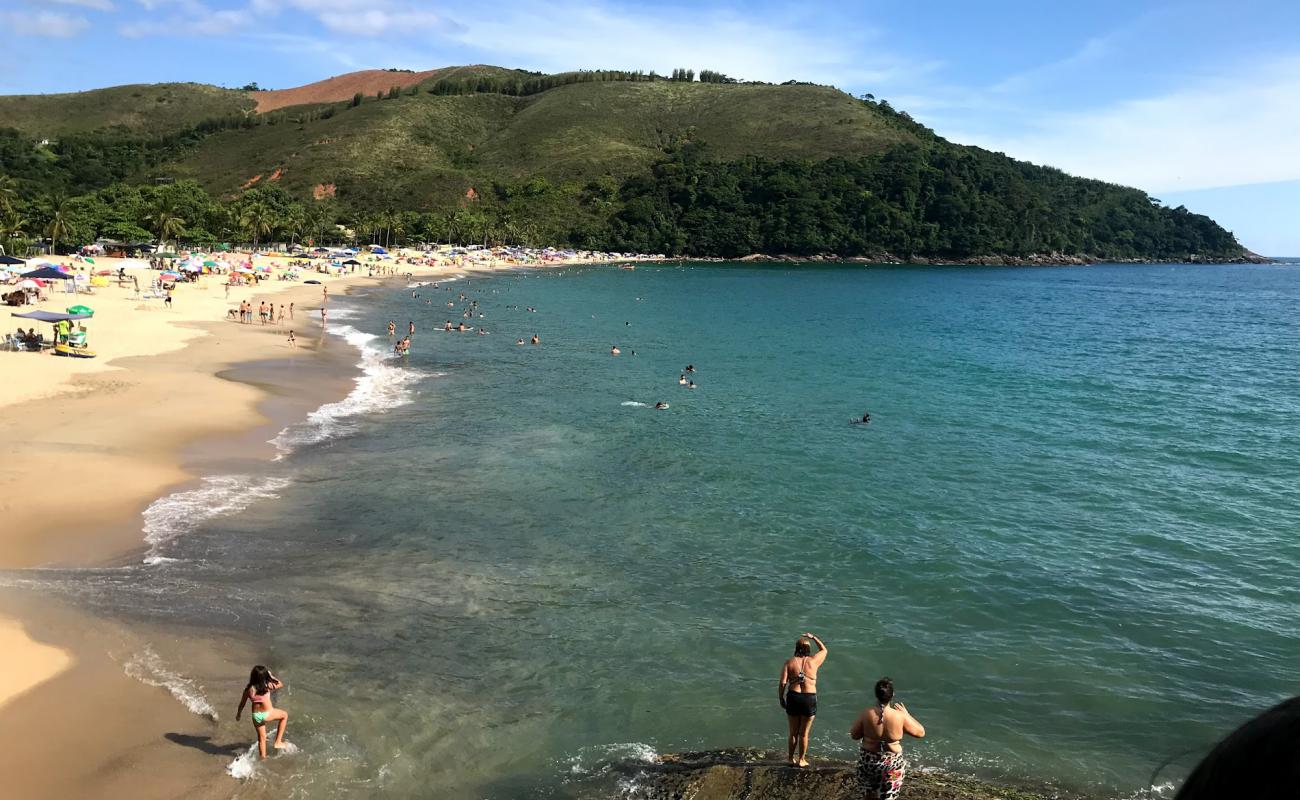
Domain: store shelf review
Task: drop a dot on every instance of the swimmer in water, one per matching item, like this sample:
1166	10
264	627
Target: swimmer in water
613	350
690	367
521	341
661	405
535	340
392	328
690	385
681	381
866	420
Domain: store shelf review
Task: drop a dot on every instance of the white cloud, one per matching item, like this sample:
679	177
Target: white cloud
94	5
362	17
43	23
1222	131
194	19
564	35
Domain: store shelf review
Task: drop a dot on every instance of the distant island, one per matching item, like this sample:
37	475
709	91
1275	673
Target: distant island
685	164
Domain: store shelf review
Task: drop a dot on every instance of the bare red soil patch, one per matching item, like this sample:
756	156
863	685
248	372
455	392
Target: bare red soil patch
338	88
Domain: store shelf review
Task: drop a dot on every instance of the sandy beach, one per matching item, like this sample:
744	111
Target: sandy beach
91	443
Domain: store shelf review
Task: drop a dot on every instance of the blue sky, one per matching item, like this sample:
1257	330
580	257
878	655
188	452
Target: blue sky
1195	102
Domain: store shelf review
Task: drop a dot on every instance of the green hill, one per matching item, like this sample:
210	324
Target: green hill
147	109
606	159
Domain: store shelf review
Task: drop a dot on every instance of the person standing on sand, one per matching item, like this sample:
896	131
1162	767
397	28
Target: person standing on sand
280	318
797	692
291	311
292	341
880	728
260	685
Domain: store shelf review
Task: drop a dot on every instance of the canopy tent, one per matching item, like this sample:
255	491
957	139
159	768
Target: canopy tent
48	274
351	262
49	316
374	248
11	260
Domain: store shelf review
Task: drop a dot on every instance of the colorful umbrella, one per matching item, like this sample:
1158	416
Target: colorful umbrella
171	274
86	310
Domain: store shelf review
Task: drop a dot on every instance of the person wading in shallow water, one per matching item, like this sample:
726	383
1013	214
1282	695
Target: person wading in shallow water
258	691
797	692
880	728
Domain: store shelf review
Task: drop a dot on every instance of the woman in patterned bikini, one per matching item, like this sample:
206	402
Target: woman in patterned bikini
880	728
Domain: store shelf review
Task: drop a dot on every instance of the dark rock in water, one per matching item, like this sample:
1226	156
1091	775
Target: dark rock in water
744	774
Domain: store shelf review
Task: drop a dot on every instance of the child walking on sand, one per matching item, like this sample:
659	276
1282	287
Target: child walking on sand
260	685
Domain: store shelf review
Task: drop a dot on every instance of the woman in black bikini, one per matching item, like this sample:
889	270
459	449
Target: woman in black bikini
797	692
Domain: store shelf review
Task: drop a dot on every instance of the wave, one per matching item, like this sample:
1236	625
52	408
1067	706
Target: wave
634	403
382	384
245	765
171	516
149	669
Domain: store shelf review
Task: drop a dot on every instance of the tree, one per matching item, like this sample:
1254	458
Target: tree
166	219
59	219
13	228
258	219
8	193
356	99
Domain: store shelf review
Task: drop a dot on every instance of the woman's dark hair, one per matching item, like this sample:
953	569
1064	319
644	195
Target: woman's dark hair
1257	760
803	647
260	679
884	691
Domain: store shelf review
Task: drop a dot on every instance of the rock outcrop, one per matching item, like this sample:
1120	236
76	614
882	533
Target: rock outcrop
744	774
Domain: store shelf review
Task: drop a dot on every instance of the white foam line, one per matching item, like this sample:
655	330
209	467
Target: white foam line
149	669
176	514
382	385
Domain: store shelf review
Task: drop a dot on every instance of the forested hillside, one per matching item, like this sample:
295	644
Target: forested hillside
612	160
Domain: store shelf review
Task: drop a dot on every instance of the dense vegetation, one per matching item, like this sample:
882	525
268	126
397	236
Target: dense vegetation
603	159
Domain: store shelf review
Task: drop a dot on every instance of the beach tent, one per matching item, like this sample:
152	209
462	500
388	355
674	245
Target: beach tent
374	248
351	262
47	274
49	316
11	260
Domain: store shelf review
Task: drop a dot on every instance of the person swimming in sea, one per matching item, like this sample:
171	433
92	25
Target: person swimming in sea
661	405
690	385
521	341
866	420
797	692
681	381
690	368
535	340
613	350
258	691
880	728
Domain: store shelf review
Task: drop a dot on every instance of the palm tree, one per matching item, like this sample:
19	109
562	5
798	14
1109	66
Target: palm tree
295	223
166	220
258	219
12	226
59	208
8	193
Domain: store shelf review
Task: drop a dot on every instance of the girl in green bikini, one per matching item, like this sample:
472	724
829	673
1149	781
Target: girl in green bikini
260	685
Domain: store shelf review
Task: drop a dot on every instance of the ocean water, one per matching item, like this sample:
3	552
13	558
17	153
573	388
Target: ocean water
1070	532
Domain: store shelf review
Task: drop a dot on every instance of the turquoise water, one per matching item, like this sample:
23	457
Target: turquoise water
1069	533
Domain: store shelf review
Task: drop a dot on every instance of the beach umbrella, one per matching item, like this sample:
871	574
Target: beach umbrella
82	310
29	284
209	263
89	260
171	274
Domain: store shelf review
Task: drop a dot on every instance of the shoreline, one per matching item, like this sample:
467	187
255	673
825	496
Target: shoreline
106	430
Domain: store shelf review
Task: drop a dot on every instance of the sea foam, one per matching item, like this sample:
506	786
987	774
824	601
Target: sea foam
383	384
146	667
176	514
